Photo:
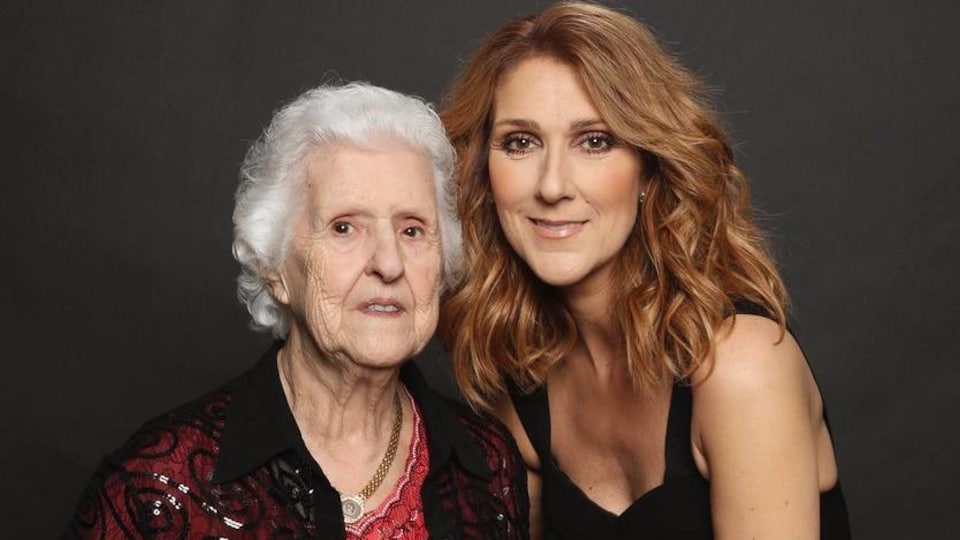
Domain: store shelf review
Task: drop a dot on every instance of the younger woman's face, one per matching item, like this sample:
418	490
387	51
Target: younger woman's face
566	190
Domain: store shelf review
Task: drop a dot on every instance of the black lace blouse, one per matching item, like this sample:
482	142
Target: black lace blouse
233	465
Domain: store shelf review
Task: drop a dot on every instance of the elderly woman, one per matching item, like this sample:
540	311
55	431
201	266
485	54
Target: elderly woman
620	311
346	232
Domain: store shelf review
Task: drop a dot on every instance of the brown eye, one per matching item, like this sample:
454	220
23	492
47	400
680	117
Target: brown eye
342	227
413	232
520	143
516	144
596	142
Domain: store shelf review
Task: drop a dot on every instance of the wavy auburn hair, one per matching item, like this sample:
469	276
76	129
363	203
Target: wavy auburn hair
695	248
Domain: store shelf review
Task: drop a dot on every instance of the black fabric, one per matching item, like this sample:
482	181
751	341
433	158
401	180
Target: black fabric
233	464
260	424
677	509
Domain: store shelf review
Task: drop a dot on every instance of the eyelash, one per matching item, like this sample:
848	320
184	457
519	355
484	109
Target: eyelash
418	231
342	228
507	142
607	139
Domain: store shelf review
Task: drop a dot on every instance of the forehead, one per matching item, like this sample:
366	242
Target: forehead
391	177
542	86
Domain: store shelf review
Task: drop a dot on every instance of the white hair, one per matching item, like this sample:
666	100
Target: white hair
271	179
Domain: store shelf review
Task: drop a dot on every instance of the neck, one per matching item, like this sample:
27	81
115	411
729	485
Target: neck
332	400
600	339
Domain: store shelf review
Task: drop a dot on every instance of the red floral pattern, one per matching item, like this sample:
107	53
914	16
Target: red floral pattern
159	486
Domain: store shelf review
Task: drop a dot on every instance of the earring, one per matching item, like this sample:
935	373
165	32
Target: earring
643	197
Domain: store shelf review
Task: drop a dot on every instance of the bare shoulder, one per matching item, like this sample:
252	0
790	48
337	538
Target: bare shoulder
753	356
757	420
504	409
757	378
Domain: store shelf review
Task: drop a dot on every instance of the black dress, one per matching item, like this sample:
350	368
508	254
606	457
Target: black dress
677	509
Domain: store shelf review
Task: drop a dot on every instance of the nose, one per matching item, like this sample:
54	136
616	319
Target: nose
386	259
554	183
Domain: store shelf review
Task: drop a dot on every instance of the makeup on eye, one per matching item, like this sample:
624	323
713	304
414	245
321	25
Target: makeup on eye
516	143
520	142
596	142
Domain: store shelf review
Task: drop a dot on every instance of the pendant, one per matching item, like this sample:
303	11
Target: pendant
352	507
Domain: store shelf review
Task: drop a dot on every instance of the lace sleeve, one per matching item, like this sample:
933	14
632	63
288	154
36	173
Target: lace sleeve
512	482
104	511
156	485
509	505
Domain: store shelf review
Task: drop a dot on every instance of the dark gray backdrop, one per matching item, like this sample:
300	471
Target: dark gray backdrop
123	123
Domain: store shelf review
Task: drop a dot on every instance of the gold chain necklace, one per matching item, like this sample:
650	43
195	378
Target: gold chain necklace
352	505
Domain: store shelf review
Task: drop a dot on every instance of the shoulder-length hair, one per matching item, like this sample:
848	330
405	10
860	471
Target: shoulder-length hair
694	250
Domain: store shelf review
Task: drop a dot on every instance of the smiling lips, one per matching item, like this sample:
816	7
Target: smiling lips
547	228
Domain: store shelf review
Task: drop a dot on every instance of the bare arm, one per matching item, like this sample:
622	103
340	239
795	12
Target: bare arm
757	416
504	410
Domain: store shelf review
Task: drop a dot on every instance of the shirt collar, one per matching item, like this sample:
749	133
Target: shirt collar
259	424
446	433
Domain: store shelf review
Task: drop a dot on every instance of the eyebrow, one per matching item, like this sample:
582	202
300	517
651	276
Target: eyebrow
587	123
517	122
583	123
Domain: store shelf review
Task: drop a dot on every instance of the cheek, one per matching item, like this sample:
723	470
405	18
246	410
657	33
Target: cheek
619	190
620	194
508	187
334	272
329	280
508	181
426	316
424	280
424	275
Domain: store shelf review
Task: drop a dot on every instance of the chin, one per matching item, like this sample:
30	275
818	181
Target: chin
385	355
559	277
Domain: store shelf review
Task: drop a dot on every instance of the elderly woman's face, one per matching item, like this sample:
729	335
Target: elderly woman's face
363	272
